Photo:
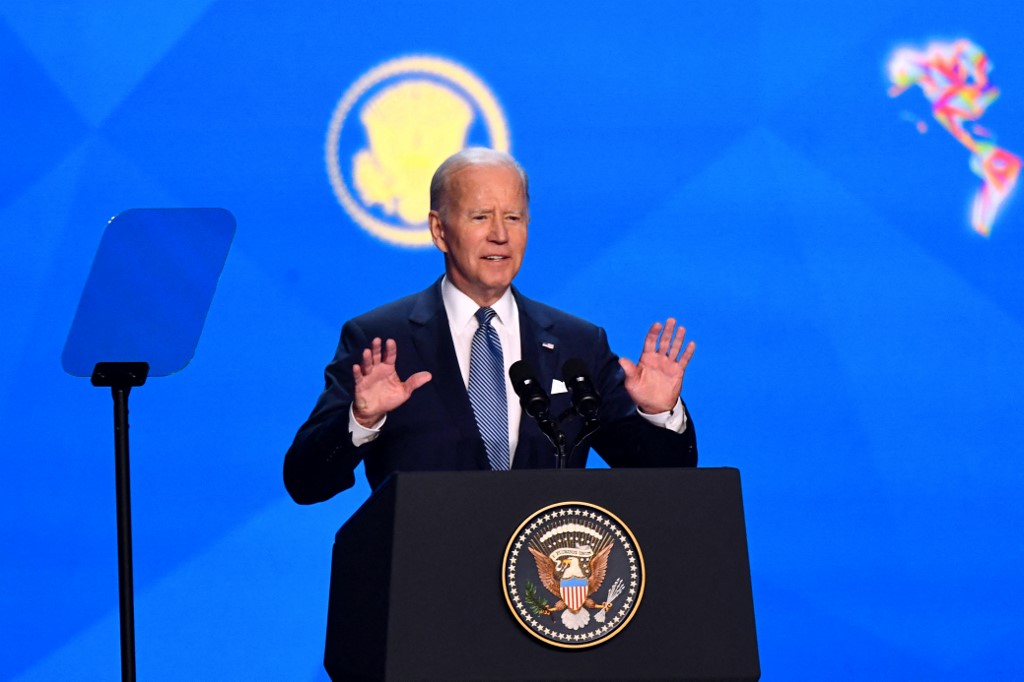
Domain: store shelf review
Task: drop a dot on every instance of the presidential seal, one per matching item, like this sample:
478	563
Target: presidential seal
392	128
573	575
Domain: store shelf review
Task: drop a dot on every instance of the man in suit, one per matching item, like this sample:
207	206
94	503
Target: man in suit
413	385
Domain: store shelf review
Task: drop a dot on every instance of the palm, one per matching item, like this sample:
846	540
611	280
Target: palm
655	381
378	388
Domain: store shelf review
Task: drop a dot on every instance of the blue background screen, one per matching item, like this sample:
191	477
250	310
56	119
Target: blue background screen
739	165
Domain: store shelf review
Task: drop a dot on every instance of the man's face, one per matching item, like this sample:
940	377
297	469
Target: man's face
482	230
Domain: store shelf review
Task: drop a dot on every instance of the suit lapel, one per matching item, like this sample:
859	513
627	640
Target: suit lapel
539	347
432	337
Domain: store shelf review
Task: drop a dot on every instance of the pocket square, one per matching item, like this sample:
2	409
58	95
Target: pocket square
558	387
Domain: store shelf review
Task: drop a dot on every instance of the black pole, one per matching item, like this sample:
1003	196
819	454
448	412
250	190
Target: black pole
125	580
120	377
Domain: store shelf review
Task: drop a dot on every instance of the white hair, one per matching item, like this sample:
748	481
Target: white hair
470	156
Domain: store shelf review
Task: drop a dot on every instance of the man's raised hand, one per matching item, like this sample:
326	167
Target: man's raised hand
378	390
655	381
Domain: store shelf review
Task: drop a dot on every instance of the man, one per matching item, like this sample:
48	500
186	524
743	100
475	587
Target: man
421	383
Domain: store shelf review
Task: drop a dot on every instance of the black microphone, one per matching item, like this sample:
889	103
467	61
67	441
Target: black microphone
531	394
585	397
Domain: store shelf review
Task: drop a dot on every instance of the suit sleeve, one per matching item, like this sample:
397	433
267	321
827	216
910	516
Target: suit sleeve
321	460
626	439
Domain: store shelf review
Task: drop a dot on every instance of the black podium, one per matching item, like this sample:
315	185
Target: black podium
417	579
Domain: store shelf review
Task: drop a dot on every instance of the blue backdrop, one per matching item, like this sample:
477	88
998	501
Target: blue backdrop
740	165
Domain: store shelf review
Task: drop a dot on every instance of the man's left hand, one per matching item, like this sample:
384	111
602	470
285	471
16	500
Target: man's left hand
655	381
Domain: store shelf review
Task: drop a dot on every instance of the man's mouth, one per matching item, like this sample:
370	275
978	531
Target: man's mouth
495	258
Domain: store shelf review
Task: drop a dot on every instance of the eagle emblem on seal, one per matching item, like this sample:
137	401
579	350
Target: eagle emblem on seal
573	574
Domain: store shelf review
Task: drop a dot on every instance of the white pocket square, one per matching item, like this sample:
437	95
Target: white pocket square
558	387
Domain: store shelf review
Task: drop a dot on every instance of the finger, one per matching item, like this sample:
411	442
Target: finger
651	342
376	350
366	364
417	380
687	354
677	343
665	346
628	367
357	373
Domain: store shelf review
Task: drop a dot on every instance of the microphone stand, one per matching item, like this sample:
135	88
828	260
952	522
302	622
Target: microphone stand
561	456
555	434
549	427
590	427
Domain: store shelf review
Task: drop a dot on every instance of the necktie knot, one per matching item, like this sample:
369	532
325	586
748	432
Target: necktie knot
485	315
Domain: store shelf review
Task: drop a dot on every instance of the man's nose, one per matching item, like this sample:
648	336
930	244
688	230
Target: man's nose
499	232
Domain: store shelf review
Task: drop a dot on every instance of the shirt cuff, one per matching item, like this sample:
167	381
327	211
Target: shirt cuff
673	420
362	435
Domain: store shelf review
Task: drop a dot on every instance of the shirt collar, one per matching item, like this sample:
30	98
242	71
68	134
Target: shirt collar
461	309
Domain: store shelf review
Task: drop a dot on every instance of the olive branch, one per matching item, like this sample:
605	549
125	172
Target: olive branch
533	601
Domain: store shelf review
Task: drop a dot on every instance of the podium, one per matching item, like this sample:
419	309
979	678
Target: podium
418	572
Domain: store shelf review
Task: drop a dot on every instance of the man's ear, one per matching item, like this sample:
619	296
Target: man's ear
437	231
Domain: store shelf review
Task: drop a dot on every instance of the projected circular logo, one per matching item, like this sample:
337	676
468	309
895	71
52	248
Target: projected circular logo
573	575
393	127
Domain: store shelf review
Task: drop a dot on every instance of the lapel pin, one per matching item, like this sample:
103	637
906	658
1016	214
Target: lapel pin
549	346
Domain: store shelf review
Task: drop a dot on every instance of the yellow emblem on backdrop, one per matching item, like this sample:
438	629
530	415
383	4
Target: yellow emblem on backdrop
415	112
409	126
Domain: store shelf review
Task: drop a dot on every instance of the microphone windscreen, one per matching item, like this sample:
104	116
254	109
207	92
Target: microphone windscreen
585	397
573	370
532	396
522	375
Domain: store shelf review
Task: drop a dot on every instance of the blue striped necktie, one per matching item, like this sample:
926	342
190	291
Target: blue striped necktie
487	390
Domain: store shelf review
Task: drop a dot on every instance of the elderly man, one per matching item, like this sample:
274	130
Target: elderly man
422	383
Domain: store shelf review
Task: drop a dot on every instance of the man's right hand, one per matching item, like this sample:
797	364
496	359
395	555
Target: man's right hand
378	390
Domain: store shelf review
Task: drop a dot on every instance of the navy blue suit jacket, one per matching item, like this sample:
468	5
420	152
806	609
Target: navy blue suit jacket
435	429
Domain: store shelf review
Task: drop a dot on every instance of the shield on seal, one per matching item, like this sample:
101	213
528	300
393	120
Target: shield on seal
573	592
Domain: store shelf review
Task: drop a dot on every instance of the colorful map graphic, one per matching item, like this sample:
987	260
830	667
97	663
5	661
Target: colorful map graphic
954	78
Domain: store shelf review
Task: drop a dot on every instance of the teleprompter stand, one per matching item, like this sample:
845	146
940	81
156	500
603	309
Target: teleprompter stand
141	314
121	377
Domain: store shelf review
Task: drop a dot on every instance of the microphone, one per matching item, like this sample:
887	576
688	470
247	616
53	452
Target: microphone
535	402
585	397
531	394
